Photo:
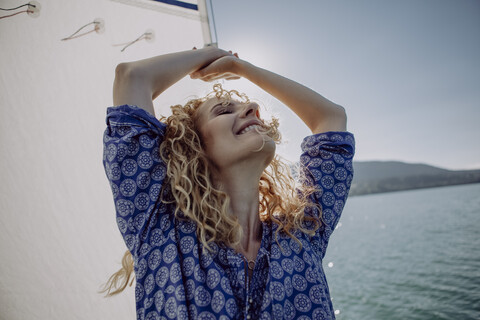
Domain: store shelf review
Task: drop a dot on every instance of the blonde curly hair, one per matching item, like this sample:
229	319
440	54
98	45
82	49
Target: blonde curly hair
190	177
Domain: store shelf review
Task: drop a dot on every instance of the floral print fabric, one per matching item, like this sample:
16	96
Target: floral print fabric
174	278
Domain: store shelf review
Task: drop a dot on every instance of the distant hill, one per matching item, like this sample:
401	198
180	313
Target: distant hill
379	170
387	176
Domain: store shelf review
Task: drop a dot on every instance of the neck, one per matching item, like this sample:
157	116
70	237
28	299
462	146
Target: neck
240	182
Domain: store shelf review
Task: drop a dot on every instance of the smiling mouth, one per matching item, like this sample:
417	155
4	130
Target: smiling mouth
250	128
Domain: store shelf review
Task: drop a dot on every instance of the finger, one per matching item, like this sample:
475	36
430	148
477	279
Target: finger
208	77
221	76
208	70
197	75
211	78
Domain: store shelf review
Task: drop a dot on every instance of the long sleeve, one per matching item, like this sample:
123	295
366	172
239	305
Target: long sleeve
133	167
326	164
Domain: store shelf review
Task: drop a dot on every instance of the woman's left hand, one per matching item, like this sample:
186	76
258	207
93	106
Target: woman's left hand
223	68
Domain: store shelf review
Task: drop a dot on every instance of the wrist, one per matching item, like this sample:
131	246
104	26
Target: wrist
213	53
243	68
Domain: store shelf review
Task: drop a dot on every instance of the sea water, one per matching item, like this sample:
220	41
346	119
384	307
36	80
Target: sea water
407	255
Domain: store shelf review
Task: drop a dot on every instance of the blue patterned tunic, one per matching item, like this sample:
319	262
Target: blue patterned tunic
174	279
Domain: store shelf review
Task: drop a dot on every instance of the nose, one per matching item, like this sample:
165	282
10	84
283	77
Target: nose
250	109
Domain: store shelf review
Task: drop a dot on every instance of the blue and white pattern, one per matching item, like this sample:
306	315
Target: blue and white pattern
175	279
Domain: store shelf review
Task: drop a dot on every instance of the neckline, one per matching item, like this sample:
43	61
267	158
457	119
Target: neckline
262	250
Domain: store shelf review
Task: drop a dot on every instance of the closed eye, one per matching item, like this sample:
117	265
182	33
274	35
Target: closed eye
223	108
223	111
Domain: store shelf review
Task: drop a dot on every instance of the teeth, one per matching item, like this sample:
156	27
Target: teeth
250	127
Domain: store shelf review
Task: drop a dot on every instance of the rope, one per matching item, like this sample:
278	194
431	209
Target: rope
11	15
71	37
23	5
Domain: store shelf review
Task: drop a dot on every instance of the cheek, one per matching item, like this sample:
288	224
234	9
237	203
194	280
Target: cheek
217	131
212	141
216	143
219	147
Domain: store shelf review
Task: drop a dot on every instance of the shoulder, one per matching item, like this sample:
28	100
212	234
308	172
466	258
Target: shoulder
133	116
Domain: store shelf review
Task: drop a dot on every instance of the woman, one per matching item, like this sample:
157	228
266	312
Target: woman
214	225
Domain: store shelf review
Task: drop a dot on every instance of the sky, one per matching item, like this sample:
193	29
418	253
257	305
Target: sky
407	72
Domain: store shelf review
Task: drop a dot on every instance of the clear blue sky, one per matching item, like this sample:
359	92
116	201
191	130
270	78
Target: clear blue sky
407	72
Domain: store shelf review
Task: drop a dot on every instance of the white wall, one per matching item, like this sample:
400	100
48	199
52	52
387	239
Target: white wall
58	237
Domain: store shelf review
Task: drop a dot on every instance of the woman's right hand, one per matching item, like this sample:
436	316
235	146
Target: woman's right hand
225	67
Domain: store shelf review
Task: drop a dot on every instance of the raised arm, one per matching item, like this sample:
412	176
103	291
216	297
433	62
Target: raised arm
140	82
317	112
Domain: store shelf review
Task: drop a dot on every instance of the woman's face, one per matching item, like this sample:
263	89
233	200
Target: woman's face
229	133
